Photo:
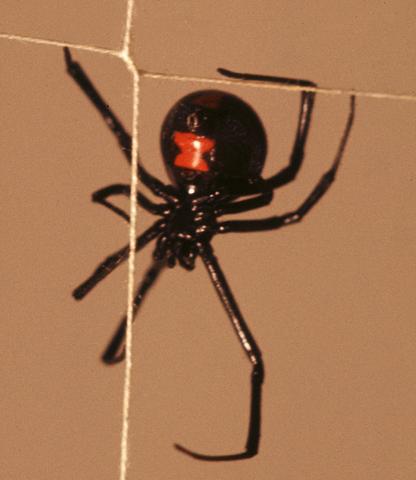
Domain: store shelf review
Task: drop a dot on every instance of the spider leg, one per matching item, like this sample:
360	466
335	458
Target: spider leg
116	259
296	158
115	351
247	204
266	78
124	139
305	115
312	199
100	196
250	349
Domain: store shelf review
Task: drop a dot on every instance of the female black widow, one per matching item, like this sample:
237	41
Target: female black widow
214	148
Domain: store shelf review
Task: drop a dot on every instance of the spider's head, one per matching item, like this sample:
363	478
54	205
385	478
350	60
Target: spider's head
212	140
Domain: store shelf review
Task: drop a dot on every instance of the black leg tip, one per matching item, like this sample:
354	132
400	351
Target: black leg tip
109	358
215	458
79	293
68	57
227	73
268	78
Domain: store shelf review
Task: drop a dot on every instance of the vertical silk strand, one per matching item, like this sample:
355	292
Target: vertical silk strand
125	56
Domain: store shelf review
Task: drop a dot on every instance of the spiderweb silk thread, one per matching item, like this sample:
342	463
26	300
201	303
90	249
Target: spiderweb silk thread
213	81
125	55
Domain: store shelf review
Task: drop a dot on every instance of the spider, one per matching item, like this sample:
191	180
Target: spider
214	149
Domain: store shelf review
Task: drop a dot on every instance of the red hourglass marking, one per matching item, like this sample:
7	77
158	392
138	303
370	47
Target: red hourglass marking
192	148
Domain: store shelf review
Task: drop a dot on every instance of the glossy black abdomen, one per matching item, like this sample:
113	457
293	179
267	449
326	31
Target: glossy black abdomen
210	138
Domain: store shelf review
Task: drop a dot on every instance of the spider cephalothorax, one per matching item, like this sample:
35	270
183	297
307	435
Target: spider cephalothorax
187	224
214	148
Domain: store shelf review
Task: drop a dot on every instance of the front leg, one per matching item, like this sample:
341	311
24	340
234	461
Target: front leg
124	139
317	193
101	196
81	78
305	115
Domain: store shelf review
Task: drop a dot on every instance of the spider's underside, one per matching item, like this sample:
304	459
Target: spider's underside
204	137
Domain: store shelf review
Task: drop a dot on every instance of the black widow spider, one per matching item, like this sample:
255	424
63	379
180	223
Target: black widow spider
214	149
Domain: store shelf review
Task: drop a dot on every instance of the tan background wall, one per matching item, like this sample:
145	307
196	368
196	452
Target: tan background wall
330	301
